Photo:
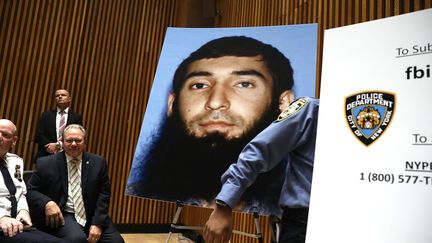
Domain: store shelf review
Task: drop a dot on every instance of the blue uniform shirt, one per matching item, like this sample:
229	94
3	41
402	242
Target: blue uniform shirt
293	136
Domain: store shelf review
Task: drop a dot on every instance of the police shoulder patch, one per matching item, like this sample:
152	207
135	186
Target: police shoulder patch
292	109
17	173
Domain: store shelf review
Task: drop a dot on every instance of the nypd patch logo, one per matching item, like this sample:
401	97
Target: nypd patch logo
369	113
17	173
292	109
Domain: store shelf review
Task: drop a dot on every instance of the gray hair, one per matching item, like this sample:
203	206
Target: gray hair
75	126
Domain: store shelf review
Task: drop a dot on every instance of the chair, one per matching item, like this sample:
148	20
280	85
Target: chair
27	174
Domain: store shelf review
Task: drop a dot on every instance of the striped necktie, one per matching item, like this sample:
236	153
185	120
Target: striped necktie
62	125
76	194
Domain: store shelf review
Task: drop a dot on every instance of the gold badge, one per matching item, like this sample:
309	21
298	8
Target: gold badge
292	109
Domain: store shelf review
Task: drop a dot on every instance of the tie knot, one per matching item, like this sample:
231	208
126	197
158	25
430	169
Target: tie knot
75	161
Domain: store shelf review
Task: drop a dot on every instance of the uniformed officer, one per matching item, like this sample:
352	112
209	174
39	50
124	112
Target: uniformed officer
15	221
291	136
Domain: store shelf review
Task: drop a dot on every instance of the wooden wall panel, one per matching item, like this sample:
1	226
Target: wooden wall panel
106	53
327	13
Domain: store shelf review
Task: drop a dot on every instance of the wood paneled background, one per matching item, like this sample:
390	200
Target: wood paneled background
106	53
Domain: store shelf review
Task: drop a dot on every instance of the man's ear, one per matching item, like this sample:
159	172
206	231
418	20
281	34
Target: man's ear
285	99
171	99
14	141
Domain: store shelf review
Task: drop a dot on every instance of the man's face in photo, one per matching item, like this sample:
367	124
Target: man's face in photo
225	96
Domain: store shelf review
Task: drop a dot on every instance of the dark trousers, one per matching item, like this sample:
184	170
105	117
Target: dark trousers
73	232
34	236
294	223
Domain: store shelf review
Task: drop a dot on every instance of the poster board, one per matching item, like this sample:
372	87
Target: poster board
372	177
296	42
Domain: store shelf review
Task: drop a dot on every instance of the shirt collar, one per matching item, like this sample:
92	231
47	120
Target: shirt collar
66	111
69	158
6	156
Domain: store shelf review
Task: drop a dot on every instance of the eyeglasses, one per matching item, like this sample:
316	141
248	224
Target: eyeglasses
76	140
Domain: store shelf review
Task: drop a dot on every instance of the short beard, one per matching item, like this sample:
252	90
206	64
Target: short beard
180	166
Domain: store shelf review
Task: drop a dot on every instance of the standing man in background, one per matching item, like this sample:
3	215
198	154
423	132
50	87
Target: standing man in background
52	123
69	193
15	221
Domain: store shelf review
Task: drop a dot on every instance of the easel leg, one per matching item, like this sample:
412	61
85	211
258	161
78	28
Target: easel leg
275	228
174	222
258	228
174	225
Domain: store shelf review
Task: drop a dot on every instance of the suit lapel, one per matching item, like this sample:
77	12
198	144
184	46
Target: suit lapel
62	167
53	125
68	117
85	165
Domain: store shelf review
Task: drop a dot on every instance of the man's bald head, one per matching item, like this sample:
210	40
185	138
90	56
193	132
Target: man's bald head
8	136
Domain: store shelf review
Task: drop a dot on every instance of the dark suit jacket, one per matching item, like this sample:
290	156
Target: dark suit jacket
47	131
50	182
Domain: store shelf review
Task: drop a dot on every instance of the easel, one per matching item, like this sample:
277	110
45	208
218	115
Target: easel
174	225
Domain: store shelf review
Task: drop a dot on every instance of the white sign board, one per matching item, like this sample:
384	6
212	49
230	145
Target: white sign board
372	178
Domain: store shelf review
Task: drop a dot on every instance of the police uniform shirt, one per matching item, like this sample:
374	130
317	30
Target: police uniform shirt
15	167
293	136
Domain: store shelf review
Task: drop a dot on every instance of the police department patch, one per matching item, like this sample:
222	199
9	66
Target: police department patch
292	109
369	113
17	173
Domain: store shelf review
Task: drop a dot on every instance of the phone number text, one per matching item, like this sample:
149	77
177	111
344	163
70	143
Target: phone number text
391	178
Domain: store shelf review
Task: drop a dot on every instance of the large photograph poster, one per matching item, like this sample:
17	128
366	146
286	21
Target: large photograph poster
372	177
213	91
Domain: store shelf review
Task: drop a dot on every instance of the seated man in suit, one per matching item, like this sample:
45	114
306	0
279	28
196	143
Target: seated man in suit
70	192
52	123
15	221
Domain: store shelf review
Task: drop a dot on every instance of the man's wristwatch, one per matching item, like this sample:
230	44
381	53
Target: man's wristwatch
221	203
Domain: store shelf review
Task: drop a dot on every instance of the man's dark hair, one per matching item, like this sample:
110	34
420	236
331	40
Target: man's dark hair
241	46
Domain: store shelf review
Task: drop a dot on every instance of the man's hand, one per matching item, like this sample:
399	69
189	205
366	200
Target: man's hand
218	228
51	148
24	217
95	232
53	215
10	226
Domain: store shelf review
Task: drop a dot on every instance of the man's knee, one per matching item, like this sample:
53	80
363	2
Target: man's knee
78	238
113	237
